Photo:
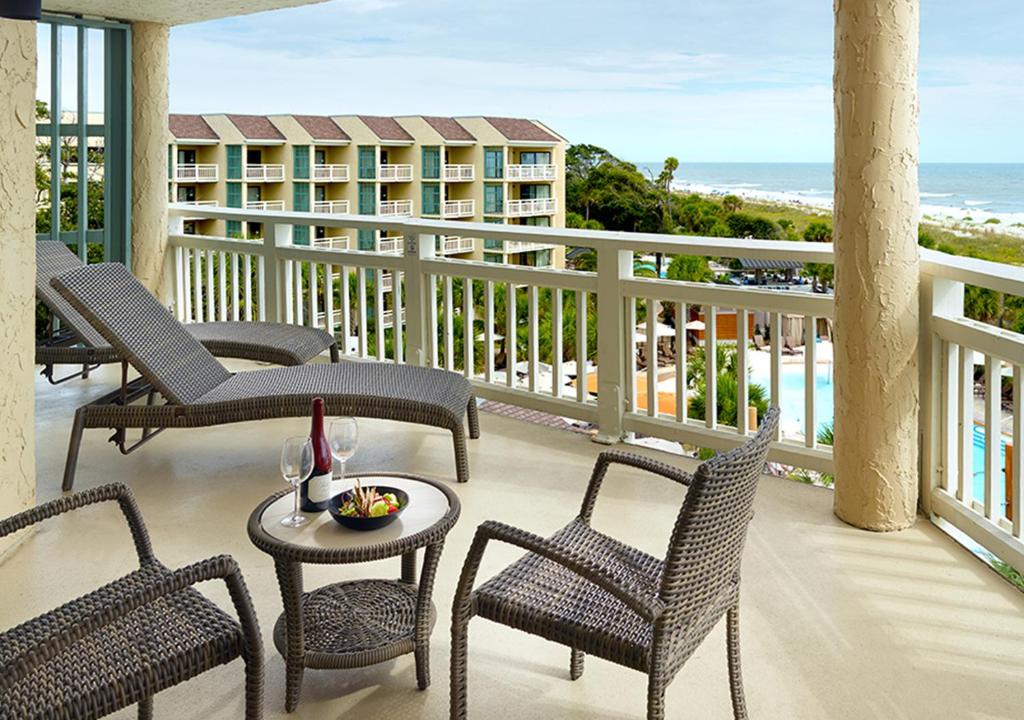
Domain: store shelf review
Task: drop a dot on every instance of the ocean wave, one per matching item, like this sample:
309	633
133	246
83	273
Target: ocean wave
975	203
936	195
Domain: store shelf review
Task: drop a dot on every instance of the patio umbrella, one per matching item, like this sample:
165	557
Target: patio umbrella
695	325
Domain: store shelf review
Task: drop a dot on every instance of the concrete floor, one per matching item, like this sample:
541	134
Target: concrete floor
836	622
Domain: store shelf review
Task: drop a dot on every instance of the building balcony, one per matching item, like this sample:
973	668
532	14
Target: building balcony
196	173
264	173
531	207
394	208
459	173
331	207
394	173
265	205
334	242
518	246
392	245
458	209
455	245
330	173
531	173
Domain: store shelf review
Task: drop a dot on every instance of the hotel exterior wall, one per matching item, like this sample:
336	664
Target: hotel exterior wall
17	260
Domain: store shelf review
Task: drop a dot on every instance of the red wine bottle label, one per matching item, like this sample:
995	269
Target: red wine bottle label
318	487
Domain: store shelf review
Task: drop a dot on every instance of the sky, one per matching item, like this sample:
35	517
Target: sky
730	80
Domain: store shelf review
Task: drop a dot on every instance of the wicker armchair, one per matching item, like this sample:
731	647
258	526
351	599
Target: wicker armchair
588	591
128	640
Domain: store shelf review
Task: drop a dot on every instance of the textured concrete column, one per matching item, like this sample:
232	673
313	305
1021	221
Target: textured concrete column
17	267
876	215
150	261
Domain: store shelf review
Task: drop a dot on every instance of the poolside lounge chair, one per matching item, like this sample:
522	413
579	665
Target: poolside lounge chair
126	641
759	342
789	346
78	343
200	392
596	595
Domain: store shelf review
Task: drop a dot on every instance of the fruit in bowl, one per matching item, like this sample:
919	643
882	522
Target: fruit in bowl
367	508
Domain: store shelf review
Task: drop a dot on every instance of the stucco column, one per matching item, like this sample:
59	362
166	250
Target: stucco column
150	262
876	263
17	268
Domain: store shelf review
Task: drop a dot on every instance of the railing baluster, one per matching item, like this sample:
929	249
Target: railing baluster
652	357
1016	468
346	308
775	347
378	305
681	312
556	342
314	298
742	371
488	331
449	320
289	292
993	417
299	305
432	321
532	350
810	389
965	488
261	290
710	366
468	334
210	304
511	333
234	287
179	284
398	325
361	301
329	298
582	392
631	353
222	286
186	278
950	390
197	284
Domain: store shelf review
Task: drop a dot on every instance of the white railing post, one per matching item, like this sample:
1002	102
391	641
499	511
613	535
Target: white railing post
613	266
176	226
938	387
418	300
275	236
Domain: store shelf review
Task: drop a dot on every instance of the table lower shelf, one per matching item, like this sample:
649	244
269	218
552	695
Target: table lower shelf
356	623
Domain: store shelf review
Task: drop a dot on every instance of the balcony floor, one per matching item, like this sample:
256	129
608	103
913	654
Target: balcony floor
836	622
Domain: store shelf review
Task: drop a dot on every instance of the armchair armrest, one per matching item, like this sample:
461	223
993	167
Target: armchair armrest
641	462
648	608
104	493
221	567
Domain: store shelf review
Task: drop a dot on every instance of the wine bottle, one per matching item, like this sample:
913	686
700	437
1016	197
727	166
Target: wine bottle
315	492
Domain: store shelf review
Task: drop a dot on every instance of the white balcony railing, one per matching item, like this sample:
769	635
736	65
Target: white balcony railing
459	208
518	246
531	173
335	242
264	173
330	173
265	205
331	207
198	203
459	173
531	207
196	173
455	245
394	173
391	245
394	208
984	504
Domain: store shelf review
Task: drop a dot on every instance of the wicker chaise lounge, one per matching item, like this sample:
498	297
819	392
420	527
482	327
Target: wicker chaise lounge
200	392
78	343
121	644
596	595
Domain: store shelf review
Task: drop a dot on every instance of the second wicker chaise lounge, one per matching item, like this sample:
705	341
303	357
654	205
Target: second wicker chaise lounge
200	392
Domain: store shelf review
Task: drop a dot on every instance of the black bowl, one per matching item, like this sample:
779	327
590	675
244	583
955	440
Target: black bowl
367	523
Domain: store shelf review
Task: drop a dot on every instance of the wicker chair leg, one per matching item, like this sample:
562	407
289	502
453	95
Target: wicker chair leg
146	708
575	664
461	455
473	416
289	577
458	690
71	464
739	705
655	698
253	688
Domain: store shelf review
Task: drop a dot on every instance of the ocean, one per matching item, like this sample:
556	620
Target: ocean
955	191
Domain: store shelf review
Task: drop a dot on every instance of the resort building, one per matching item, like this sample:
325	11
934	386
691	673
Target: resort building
483	169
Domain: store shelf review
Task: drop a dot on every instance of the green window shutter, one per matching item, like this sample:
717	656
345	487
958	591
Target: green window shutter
234	229
234	195
170	161
493	199
431	163
431	199
300	235
300	200
234	162
367	162
366	240
300	154
367	199
492	244
492	258
494	163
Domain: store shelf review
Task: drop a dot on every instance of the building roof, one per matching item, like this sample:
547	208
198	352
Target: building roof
758	264
256	127
449	128
386	128
190	127
321	127
521	130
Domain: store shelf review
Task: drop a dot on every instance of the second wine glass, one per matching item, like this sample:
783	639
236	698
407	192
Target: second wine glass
296	467
343	437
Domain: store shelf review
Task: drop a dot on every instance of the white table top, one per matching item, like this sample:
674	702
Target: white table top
427	505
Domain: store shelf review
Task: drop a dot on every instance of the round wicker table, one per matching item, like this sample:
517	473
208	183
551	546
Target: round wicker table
356	622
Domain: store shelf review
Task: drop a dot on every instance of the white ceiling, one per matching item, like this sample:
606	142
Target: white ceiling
169	12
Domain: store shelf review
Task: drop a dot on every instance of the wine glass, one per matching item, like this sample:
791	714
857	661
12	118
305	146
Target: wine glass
343	437
296	467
